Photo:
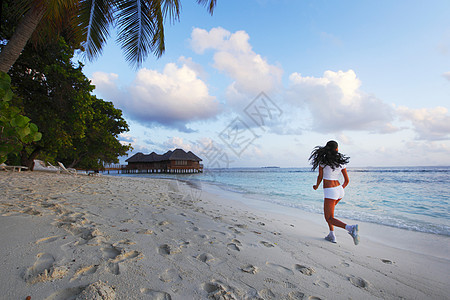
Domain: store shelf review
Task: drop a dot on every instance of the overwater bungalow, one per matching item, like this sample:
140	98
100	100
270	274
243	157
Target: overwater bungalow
177	162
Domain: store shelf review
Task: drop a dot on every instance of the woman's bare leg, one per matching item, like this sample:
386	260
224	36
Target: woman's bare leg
328	211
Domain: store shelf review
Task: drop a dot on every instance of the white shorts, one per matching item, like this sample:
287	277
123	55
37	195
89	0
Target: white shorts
334	193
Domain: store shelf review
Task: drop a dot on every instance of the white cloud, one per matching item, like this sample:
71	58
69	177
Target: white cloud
193	66
234	56
430	124
177	142
171	98
126	138
219	39
337	103
107	84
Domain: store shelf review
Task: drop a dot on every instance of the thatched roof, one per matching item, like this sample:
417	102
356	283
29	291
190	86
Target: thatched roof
177	154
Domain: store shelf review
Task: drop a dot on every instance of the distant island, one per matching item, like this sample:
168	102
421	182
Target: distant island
271	167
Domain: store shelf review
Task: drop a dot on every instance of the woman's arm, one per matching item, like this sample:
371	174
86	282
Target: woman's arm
346	180
319	178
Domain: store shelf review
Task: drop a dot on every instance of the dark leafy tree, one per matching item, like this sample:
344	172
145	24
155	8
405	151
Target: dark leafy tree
56	95
100	144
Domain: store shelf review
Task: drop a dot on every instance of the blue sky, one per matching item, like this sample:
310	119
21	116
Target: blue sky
262	82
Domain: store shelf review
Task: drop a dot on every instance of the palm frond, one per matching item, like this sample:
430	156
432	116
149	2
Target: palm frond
171	9
136	29
159	10
19	8
55	20
94	19
209	4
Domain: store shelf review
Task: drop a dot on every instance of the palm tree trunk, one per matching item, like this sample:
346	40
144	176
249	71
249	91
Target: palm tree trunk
22	34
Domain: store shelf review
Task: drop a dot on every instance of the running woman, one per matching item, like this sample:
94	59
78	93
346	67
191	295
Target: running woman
331	164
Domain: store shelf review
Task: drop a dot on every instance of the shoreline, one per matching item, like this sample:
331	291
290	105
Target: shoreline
410	221
419	242
76	237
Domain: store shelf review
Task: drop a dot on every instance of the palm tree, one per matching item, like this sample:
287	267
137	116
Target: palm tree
140	25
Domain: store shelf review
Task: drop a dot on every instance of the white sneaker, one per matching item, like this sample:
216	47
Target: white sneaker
331	238
354	233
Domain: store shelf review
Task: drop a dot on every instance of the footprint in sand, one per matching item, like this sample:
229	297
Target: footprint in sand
44	270
304	269
267	244
322	283
295	296
164	249
113	268
267	294
237	242
345	264
164	223
127	255
86	233
205	257
113	265
289	285
234	230
69	293
242	226
249	269
168	250
219	290
270	280
359	282
233	246
40	267
170	275
110	252
387	261
202	236
156	295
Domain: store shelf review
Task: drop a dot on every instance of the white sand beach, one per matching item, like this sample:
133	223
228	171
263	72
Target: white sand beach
84	237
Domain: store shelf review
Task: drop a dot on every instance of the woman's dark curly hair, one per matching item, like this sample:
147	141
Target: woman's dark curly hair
328	155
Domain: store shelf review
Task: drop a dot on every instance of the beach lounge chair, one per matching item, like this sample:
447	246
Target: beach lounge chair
39	165
5	167
67	170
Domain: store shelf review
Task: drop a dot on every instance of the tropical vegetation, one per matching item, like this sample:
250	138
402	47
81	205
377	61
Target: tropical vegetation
77	128
16	130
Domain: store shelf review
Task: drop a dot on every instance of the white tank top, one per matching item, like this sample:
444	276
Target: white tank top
330	174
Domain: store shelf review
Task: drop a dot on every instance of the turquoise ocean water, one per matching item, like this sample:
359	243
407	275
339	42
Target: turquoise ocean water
416	198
